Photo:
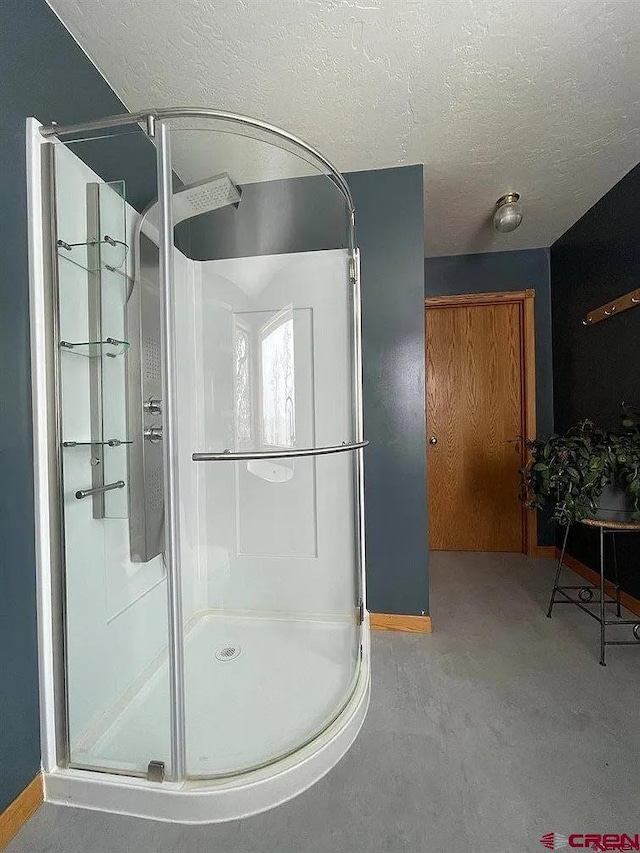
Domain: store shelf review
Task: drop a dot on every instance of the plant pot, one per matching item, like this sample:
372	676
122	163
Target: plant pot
613	505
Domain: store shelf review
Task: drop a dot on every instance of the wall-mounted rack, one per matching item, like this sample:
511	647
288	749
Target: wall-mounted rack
616	306
94	285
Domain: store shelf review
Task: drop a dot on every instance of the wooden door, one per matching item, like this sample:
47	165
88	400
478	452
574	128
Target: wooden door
475	426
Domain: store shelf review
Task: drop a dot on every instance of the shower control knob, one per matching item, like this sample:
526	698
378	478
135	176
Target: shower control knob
153	434
154	407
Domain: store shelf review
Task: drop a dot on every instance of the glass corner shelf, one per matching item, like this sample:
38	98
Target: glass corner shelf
111	347
93	255
108	442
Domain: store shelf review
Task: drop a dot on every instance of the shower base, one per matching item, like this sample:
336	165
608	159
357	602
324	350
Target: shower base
255	689
242	711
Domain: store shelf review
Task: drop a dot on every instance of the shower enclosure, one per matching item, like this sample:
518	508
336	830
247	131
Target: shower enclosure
197	403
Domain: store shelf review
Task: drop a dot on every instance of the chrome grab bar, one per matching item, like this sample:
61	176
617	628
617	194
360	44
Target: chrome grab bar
228	456
84	493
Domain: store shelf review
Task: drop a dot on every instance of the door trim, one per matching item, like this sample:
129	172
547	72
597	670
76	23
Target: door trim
526	299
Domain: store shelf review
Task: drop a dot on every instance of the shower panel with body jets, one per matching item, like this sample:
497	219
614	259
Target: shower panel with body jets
199	451
145	382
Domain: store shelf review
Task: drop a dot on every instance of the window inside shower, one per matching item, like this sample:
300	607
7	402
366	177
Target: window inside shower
277	381
259	494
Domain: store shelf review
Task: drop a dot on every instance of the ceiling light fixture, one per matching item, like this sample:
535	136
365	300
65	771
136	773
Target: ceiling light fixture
508	213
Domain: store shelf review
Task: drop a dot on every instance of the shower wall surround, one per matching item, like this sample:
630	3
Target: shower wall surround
390	228
246	544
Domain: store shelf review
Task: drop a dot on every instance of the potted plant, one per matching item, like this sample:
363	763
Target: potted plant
587	472
625	445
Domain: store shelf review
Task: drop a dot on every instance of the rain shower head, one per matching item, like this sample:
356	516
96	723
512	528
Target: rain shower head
204	196
194	199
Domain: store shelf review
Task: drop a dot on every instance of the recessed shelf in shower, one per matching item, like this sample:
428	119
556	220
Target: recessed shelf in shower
111	347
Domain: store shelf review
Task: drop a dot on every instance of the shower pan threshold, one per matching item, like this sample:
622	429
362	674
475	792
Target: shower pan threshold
250	711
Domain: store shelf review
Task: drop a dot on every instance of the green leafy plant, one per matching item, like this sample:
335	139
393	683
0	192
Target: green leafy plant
567	473
625	445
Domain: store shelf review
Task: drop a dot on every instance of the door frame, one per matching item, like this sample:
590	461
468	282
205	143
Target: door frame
525	299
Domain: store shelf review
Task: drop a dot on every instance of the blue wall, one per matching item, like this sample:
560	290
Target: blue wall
390	223
596	369
44	74
504	271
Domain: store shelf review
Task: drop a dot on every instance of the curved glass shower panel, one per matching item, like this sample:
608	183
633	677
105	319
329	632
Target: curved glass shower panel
115	603
269	153
264	357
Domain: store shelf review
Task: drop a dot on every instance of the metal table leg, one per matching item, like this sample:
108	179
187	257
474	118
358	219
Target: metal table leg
602	616
615	570
558	570
567	594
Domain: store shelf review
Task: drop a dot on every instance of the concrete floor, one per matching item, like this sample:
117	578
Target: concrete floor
496	729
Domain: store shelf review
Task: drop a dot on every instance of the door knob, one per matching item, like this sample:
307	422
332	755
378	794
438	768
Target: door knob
433	440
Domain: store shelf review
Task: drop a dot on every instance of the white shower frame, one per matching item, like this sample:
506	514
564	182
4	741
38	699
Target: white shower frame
187	801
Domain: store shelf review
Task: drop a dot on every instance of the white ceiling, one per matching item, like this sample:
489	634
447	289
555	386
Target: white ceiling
538	96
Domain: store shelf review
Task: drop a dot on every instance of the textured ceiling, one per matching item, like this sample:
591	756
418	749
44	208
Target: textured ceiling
538	96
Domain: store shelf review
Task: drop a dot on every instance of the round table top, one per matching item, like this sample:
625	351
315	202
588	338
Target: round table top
628	526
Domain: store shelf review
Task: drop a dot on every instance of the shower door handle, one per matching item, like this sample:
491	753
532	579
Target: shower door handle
229	456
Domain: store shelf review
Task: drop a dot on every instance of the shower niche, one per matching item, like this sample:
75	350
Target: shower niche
201	402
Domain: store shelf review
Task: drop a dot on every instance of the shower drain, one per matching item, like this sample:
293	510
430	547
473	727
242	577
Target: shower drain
225	653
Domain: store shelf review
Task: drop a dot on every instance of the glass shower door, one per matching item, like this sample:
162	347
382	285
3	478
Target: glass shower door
265	430
115	605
